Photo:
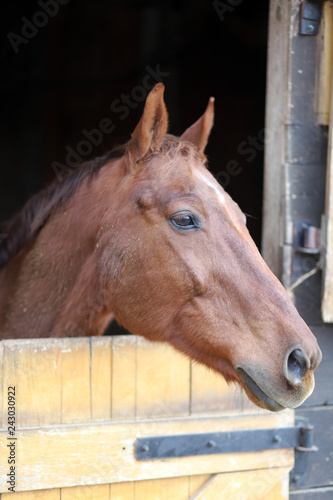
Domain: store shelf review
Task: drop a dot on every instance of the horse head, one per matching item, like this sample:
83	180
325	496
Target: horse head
177	264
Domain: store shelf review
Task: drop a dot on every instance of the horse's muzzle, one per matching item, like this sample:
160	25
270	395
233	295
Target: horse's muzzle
257	395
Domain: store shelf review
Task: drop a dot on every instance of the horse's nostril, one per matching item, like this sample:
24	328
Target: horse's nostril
297	366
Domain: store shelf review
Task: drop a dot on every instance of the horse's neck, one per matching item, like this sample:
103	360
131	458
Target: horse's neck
52	288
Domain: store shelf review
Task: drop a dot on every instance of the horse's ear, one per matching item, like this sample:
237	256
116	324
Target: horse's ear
199	132
152	127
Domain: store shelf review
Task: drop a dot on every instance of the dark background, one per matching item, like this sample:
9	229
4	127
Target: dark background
66	76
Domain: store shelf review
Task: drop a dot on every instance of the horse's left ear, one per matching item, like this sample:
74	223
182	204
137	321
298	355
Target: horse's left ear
199	132
151	129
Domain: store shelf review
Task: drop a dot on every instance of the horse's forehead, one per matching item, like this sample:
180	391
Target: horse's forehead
208	180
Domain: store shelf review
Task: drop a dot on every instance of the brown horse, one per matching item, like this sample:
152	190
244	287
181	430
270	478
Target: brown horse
147	236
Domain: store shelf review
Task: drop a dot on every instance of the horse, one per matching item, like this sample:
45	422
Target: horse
145	235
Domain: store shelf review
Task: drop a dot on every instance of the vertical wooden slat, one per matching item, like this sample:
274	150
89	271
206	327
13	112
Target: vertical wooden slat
3	401
76	397
162	489
101	359
324	66
211	393
276	98
123	377
163	380
122	491
53	494
98	492
327	284
34	367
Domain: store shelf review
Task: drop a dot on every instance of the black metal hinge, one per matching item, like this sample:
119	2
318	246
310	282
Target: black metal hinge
310	17
299	437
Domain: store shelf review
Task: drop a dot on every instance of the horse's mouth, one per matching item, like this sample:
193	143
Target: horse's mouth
257	395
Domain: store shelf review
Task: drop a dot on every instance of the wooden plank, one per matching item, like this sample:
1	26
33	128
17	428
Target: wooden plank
327	295
33	366
163	489
97	453
124	377
197	481
122	491
33	495
269	484
3	391
325	64
76	396
276	99
101	360
163	380
98	492
210	393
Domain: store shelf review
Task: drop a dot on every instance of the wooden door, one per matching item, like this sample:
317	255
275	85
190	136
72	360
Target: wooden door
81	404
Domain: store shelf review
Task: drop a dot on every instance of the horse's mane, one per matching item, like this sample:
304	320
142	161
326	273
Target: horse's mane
23	228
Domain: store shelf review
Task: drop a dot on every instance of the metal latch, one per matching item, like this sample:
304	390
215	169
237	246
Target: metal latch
299	437
310	17
306	238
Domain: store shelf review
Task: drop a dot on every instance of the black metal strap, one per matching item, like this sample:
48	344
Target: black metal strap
186	445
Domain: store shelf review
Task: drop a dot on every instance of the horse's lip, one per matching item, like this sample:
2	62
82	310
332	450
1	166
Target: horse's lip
258	393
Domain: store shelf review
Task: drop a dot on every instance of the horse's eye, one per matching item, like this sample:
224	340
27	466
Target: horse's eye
184	221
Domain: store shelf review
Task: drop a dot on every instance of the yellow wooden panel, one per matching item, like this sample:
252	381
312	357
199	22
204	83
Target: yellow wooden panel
197	481
123	377
33	366
327	237
163	380
33	495
76	396
211	393
3	389
324	66
69	455
101	356
163	489
269	484
98	492
122	491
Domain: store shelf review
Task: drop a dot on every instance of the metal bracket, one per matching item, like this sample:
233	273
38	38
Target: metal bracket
299	437
310	17
306	238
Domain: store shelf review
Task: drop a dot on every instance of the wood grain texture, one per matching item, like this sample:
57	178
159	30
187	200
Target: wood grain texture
122	491
195	482
163	381
325	64
327	295
276	99
54	494
124	377
210	393
163	489
34	368
98	492
101	387
77	454
253	485
76	395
